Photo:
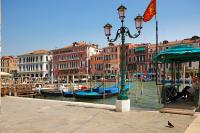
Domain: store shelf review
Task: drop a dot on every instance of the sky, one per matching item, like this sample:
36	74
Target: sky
29	25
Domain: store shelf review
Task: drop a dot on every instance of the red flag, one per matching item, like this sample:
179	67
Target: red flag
150	11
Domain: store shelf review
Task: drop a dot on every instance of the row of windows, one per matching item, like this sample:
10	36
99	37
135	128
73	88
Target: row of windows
110	57
69	65
101	66
4	69
131	51
33	75
108	50
71	57
69	50
141	58
98	58
35	67
32	59
7	63
106	57
98	66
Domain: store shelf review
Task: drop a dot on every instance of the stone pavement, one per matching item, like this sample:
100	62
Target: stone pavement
195	125
26	115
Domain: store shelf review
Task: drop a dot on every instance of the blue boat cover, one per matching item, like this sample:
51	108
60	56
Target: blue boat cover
83	93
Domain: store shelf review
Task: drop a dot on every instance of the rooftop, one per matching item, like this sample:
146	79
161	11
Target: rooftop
77	44
7	57
41	51
194	39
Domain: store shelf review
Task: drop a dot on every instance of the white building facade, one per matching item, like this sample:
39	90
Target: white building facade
35	64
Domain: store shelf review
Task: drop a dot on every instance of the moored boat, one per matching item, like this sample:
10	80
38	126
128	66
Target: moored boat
70	93
89	95
51	92
67	93
98	93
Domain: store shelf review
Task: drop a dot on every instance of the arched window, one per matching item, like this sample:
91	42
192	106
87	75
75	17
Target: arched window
40	66
46	67
36	67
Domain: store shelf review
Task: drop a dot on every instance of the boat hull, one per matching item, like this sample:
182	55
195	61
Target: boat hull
68	94
94	95
51	93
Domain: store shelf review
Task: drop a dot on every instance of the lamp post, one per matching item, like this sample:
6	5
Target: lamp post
122	32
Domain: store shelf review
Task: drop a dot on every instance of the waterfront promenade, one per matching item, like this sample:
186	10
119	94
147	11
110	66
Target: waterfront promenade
26	115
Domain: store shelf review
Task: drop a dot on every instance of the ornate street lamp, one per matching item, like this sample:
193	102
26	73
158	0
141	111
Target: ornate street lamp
122	32
107	29
121	10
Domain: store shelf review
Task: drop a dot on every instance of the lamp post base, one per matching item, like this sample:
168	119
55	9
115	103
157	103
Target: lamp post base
123	105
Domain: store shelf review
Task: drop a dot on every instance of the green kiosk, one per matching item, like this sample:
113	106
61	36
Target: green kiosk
176	56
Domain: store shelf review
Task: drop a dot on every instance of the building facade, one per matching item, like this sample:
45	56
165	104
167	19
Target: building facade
34	65
107	63
151	63
73	62
136	59
9	65
82	60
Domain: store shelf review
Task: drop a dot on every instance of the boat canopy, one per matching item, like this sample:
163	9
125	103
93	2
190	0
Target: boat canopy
179	53
5	74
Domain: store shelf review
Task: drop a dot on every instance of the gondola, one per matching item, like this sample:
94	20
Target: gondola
71	93
97	93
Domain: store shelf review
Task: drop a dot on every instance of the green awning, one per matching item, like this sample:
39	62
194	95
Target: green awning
179	53
139	49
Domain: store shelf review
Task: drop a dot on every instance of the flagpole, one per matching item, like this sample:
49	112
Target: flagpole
156	43
156	49
156	36
158	87
156	31
147	16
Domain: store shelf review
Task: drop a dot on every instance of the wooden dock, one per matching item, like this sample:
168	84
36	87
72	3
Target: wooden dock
21	90
179	107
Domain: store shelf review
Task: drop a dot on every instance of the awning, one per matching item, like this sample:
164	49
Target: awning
179	53
139	49
5	74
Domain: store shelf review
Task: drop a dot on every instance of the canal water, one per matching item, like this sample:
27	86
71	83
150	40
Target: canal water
146	100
